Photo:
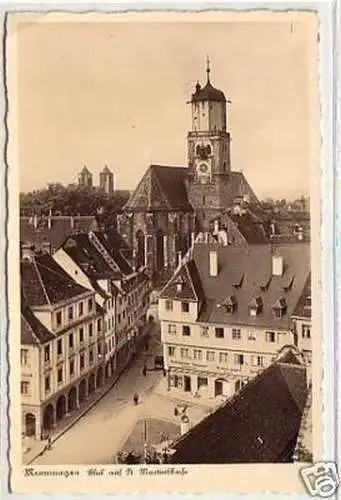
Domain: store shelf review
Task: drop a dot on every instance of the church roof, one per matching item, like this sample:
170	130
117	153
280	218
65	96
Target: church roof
161	188
208	93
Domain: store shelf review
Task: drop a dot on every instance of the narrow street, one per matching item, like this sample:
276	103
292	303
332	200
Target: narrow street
96	438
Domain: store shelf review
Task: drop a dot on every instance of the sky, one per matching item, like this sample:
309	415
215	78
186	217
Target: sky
117	94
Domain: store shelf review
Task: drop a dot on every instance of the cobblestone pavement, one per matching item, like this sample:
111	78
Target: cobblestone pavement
101	433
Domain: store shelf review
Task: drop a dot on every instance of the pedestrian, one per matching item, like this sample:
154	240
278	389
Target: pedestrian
164	372
136	398
144	371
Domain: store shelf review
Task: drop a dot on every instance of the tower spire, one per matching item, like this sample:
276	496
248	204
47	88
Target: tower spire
208	69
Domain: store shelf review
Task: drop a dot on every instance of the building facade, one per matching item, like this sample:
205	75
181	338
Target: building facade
102	263
171	205
226	313
61	344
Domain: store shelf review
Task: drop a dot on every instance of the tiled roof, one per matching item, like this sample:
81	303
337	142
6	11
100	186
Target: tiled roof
32	330
251	228
61	228
161	188
85	254
260	424
87	257
189	279
241	187
117	248
246	273
303	307
44	282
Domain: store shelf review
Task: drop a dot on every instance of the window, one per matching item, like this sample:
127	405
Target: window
204	200
257	361
251	335
184	307
90	330
171	351
72	368
172	329
80	309
25	388
219	333
81	335
81	361
238	359
270	336
24	356
99	325
223	357
59	318
169	305
59	347
186	331
204	331
236	334
306	331
197	354
278	313
184	353
47	353
91	356
90	305
210	356
118	318
202	382
70	313
60	376
47	384
71	340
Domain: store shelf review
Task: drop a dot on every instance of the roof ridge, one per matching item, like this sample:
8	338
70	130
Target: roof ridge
41	282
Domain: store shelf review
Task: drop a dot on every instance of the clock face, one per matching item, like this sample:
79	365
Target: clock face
203	172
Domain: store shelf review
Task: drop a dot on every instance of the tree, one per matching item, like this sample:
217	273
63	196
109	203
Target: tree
73	200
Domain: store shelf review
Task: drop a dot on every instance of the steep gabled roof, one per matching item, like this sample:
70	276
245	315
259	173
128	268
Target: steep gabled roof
191	288
161	188
44	282
117	248
32	330
251	228
260	424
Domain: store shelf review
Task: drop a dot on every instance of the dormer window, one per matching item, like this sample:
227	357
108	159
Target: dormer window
230	304
279	308
179	284
256	306
265	284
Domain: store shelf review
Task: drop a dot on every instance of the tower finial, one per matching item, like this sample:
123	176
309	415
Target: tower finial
208	70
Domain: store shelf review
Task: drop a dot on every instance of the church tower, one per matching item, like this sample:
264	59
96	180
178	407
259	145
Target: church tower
209	163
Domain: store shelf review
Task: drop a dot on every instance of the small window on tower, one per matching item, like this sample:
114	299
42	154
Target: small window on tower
204	200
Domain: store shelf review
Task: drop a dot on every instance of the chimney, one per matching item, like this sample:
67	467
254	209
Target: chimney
179	258
277	265
213	263
49	220
27	252
72	222
35	221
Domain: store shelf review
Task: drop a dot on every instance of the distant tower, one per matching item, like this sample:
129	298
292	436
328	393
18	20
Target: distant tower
106	181
85	177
